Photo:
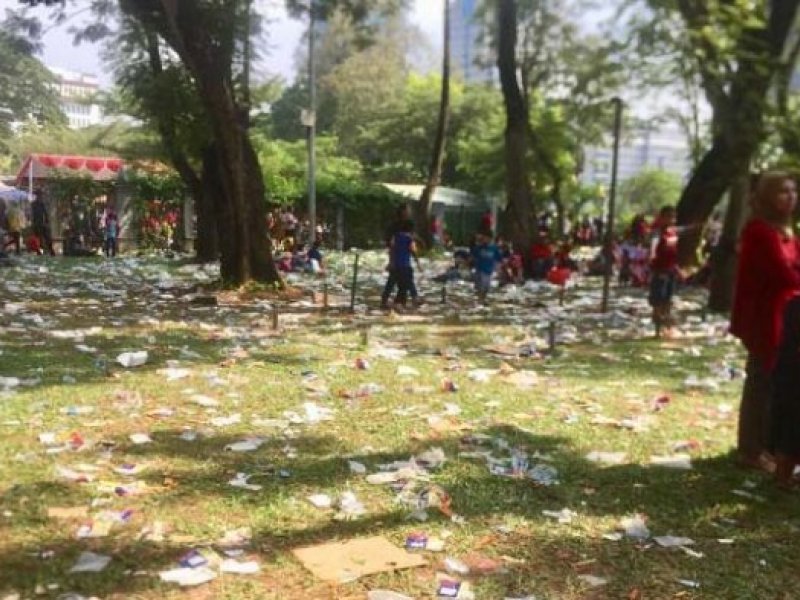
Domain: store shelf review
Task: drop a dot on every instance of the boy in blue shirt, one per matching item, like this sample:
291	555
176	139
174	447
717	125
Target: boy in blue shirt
485	257
401	250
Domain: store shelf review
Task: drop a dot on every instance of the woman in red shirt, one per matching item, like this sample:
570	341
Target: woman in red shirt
768	276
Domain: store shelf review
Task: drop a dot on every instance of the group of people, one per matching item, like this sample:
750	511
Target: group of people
14	227
288	231
31	229
301	260
488	256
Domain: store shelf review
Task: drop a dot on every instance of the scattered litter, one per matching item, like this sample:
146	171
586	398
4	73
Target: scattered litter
455	566
593	580
89	562
242	481
635	527
607	458
140	438
186	576
248	445
130	360
77	512
689	583
347	561
386	595
349	507
406	371
676	461
748	495
669	541
564	515
226	421
321	500
230	565
357	468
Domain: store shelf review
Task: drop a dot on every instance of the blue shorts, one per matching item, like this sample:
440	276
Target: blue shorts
662	288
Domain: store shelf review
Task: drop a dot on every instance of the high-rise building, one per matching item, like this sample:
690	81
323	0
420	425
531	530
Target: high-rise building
665	149
471	53
76	91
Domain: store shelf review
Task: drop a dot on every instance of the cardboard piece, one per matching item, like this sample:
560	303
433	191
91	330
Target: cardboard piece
77	512
347	561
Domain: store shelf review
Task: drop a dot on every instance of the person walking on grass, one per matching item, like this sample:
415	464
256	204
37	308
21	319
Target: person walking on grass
401	250
768	276
485	258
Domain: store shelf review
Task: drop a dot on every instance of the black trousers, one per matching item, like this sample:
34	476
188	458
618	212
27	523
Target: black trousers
403	279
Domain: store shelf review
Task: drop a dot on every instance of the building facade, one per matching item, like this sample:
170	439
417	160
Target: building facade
665	149
471	55
76	91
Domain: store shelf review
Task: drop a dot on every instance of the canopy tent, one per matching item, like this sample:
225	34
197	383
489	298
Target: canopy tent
44	166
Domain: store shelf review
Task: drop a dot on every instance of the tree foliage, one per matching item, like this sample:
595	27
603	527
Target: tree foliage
27	93
648	191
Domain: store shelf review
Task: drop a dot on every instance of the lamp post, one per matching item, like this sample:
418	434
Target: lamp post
608	246
310	121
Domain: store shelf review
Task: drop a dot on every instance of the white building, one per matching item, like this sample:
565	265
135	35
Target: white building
665	149
76	91
471	56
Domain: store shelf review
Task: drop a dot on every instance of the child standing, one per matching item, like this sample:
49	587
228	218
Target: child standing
785	405
485	256
664	269
111	233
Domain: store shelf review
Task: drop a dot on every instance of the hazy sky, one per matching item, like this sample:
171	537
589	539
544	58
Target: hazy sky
284	34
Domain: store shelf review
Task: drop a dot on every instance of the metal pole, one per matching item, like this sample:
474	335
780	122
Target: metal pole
608	250
312	126
355	284
30	178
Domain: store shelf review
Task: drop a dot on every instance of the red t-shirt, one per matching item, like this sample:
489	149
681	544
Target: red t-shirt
768	276
540	250
666	254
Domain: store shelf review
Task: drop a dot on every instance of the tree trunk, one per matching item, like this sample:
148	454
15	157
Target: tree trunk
204	39
206	247
211	201
708	184
517	216
560	209
424	224
724	258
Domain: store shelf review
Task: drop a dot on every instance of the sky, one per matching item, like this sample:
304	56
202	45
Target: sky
284	35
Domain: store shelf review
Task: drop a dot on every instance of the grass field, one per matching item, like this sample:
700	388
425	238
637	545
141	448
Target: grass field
63	323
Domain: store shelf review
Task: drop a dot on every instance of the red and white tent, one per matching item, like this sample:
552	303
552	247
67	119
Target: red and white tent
43	166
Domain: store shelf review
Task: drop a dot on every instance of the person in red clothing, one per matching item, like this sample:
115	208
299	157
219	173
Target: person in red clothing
664	268
541	255
768	277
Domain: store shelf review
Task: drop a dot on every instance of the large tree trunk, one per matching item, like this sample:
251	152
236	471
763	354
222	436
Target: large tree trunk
206	247
424	224
517	216
203	36
724	258
709	183
738	118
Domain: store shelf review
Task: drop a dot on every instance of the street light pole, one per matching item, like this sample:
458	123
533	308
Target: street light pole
608	249
311	123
